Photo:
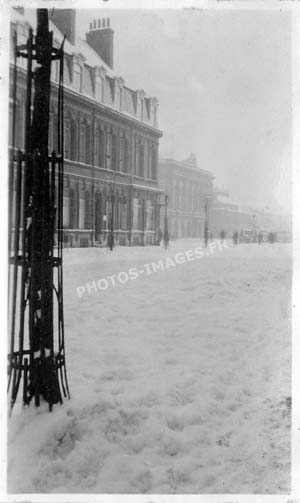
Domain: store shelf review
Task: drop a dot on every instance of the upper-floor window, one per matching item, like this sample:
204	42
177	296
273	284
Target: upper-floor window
114	158
99	91
142	160
126	155
108	150
82	143
117	97
73	140
99	147
154	164
121	154
67	139
78	78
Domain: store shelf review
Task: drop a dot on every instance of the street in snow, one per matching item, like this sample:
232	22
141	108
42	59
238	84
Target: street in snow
180	380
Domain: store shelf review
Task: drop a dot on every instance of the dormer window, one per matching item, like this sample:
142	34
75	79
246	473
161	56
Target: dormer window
78	78
117	97
99	89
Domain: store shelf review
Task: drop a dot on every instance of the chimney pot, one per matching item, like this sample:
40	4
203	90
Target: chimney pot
95	24
102	40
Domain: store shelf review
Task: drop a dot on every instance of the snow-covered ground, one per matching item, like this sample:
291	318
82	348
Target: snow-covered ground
180	379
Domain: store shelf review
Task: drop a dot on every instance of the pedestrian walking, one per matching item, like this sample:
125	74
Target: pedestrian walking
222	235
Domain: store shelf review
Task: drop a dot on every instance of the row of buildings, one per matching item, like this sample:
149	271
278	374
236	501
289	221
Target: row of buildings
111	147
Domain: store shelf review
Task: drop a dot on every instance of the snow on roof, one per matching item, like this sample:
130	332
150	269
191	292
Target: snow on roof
187	165
92	58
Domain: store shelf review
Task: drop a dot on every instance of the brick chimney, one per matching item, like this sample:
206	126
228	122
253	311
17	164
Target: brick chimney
101	39
64	19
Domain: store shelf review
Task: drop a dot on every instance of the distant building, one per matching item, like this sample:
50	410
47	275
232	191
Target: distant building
189	190
111	135
225	215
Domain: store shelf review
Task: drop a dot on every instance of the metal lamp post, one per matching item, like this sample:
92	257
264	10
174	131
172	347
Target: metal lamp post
113	198
206	223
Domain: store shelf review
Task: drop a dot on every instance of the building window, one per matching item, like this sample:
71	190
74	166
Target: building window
73	141
121	154
87	212
78	78
81	212
142	160
88	144
99	147
67	139
126	155
66	211
98	215
117	97
99	89
135	213
137	157
123	214
114	152
154	164
82	143
108	150
72	209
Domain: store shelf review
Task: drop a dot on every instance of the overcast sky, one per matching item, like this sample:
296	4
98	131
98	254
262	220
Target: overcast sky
223	81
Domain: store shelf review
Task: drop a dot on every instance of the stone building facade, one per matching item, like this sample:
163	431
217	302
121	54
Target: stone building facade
189	191
111	136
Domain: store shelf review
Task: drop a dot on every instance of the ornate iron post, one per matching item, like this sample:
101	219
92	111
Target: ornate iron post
39	355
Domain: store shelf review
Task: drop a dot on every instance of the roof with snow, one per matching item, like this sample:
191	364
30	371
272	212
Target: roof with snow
98	80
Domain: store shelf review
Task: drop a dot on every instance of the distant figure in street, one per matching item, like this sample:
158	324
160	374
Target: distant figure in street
260	238
235	237
222	235
160	236
166	239
271	237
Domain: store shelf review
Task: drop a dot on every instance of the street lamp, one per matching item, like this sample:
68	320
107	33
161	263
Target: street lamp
206	220
113	198
160	205
166	233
